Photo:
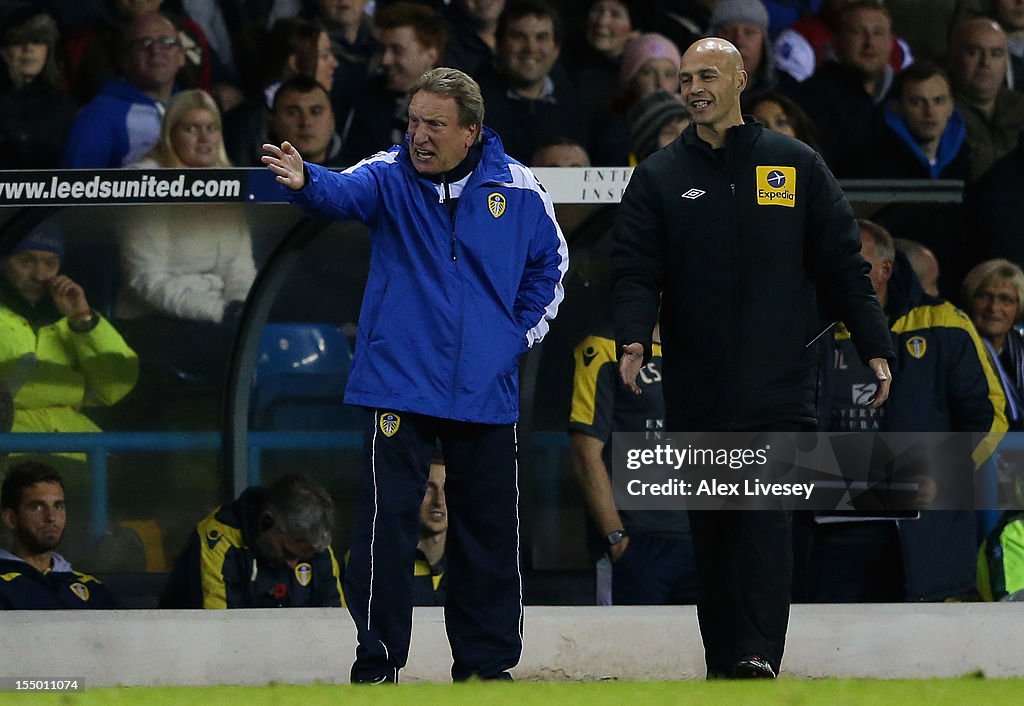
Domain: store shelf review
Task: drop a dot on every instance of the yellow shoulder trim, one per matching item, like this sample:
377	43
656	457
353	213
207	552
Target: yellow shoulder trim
590	356
336	572
215	540
946	315
85	578
10	577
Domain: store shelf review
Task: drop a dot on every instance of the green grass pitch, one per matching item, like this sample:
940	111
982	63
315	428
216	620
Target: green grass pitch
785	692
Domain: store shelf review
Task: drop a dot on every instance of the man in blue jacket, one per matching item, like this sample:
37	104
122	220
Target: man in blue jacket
122	123
467	265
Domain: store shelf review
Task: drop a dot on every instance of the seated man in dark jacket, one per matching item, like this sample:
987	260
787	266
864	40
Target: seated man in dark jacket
270	548
32	575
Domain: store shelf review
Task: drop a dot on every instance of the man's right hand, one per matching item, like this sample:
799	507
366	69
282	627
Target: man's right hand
286	163
631	359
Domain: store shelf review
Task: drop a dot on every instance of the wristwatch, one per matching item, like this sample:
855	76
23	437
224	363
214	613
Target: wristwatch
616	536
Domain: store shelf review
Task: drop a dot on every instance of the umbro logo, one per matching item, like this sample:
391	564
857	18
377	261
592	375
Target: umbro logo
693	194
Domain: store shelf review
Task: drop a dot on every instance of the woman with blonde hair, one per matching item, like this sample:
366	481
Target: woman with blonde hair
191	134
185	271
993	295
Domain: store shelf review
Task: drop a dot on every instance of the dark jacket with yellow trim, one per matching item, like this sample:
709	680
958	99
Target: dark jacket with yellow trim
744	274
429	582
942	377
23	587
220	569
942	382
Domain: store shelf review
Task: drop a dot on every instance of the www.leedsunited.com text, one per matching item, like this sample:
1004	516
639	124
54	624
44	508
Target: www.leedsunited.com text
142	186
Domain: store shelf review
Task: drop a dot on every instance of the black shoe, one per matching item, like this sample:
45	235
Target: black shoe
383	678
374	678
753	667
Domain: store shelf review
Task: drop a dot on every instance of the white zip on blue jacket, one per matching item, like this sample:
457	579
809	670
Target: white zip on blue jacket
450	302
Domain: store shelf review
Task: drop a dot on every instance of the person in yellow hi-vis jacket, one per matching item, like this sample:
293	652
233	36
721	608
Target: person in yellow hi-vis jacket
56	354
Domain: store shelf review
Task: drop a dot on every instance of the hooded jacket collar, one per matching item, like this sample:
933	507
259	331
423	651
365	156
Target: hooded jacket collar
58	564
950	143
492	166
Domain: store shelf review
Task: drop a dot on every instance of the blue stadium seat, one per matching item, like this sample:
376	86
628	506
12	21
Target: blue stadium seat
300	379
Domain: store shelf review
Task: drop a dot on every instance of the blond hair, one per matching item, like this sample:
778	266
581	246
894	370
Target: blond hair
177	108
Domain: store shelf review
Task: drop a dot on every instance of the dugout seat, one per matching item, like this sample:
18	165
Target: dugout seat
301	372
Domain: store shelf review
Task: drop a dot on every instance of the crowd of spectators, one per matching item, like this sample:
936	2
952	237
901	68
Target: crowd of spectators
87	87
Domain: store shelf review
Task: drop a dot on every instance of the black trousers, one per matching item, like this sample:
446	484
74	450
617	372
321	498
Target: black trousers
744	580
483	608
744	573
655	571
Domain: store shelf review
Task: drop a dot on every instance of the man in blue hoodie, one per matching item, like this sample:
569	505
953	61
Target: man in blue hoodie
924	136
122	123
467	266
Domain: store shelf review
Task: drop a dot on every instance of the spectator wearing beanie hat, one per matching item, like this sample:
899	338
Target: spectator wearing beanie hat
56	353
35	114
745	24
650	63
654	122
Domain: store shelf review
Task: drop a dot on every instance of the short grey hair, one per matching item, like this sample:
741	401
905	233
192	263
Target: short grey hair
453	83
992	272
880	237
303	508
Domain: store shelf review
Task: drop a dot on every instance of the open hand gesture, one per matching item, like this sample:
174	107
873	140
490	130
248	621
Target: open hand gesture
286	163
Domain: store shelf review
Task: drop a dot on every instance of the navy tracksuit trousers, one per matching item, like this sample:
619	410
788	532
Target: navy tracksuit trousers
484	608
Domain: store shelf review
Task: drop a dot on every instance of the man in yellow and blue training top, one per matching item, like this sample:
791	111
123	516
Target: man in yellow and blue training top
270	548
32	575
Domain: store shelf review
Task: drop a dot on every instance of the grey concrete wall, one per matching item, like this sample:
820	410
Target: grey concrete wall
303	645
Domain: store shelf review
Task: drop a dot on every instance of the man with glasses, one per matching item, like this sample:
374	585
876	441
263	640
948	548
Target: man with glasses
122	123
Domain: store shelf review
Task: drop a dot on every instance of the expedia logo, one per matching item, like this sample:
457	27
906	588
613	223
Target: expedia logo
588	355
303	574
389	424
80	590
496	204
776	186
917	346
